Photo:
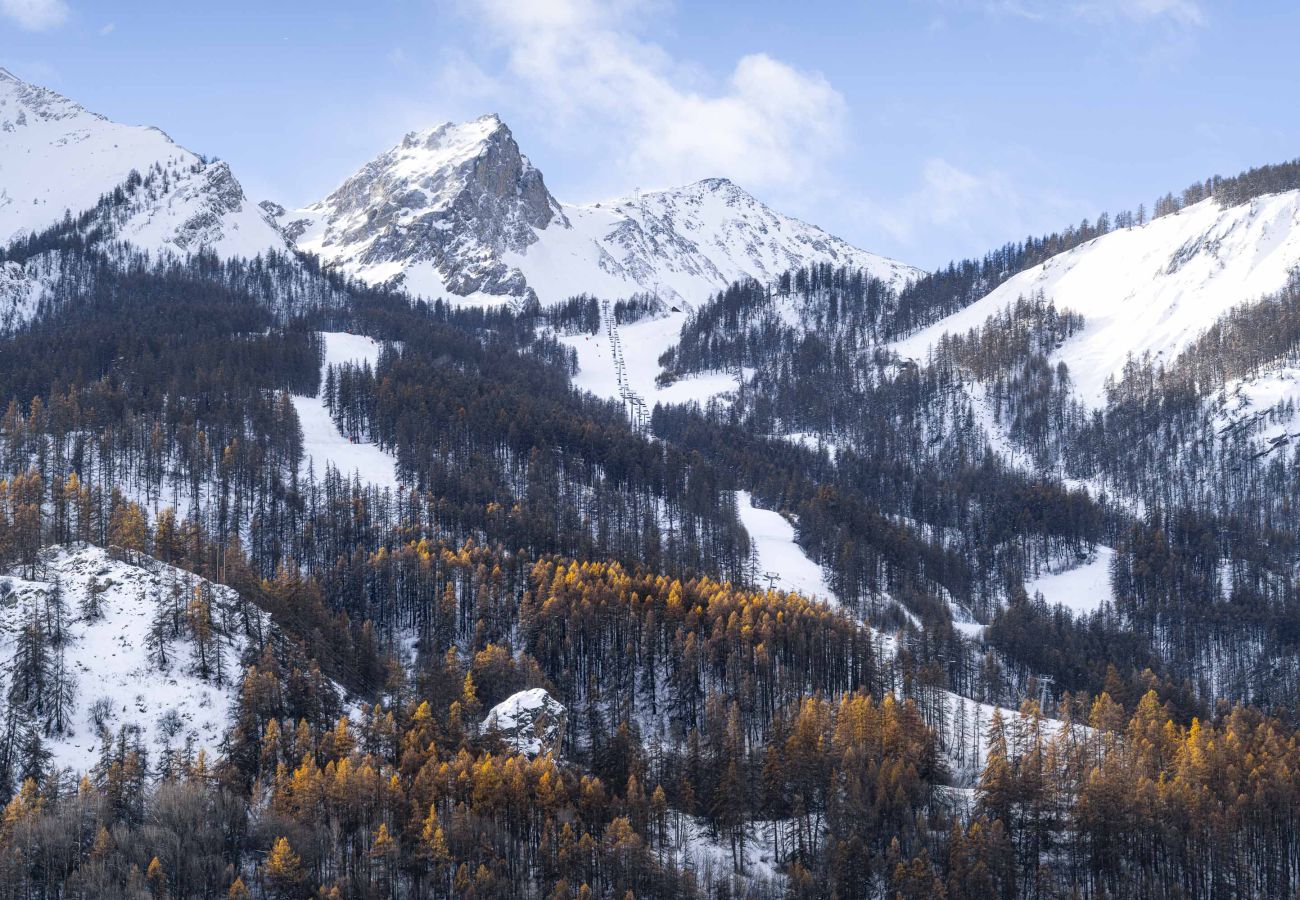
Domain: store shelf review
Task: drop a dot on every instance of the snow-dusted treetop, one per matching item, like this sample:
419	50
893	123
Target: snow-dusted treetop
459	210
57	157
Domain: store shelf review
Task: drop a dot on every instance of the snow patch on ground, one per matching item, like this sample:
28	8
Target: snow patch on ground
1261	402
640	344
813	441
108	657
705	853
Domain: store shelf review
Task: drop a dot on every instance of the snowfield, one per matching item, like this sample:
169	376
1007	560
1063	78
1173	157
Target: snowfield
108	658
1151	289
641	344
323	444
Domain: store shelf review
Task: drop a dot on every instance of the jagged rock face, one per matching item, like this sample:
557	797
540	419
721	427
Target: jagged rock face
459	210
529	722
458	197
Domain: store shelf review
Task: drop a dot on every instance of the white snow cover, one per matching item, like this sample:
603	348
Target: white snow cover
108	657
683	244
1082	588
778	554
57	157
21	290
968	753
323	443
1151	289
641	344
1258	402
529	721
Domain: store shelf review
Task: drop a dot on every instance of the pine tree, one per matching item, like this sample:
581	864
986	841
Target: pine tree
283	869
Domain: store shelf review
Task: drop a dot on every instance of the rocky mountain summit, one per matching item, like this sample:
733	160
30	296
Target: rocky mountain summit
454	200
459	211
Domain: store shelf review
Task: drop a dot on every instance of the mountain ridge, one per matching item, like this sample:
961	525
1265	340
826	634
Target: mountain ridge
188	203
459	209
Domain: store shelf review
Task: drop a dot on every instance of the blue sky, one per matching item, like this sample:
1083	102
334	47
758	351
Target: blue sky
924	129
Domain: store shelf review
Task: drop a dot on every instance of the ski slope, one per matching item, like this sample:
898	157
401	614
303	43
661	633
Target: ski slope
779	558
640	345
1082	589
323	443
1151	289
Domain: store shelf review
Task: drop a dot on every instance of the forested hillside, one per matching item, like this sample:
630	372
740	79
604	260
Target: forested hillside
537	649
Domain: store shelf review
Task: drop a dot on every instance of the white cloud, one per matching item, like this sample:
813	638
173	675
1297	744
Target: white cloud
35	15
584	63
108	29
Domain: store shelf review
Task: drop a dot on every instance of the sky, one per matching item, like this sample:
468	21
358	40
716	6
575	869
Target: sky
927	130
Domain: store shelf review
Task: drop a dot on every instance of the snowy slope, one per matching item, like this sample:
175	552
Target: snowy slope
323	444
1151	289
780	560
622	361
108	657
57	157
1082	588
684	244
458	211
1264	406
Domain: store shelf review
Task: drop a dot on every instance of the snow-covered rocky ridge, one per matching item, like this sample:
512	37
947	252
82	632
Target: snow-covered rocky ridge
57	157
1148	290
459	211
131	644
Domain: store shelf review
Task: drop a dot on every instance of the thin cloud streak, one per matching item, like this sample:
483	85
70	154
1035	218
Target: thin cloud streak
35	15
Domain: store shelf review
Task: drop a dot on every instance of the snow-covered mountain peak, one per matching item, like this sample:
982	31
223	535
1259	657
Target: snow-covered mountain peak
57	157
19	98
438	212
459	210
690	241
452	140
